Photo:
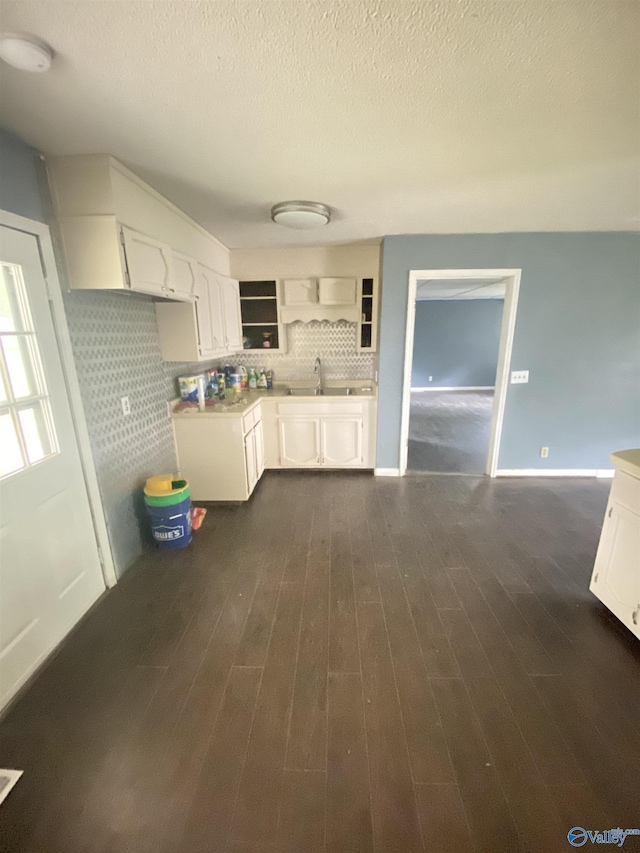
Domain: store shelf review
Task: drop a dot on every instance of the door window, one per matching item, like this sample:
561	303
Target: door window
27	433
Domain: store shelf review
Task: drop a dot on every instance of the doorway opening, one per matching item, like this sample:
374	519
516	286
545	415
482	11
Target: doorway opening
460	326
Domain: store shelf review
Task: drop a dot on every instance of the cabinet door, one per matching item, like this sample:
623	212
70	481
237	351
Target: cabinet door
231	313
616	575
259	447
148	263
250	460
184	274
337	291
299	442
341	442
300	291
201	290
210	282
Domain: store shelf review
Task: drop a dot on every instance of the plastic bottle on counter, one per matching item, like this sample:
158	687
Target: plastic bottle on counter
262	380
269	379
253	378
244	377
221	386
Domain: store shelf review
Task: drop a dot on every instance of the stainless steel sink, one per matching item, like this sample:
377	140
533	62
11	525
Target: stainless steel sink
304	392
338	392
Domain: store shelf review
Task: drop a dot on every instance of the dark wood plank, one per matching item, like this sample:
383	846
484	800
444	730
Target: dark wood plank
490	819
343	629
443	819
256	813
209	817
349	825
302	812
531	805
428	753
395	819
307	743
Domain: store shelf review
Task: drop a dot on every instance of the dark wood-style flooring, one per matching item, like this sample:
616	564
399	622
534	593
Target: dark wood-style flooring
342	664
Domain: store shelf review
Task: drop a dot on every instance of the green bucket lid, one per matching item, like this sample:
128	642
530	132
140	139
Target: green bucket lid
171	499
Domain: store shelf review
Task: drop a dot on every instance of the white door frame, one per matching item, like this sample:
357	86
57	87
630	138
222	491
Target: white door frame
54	292
512	290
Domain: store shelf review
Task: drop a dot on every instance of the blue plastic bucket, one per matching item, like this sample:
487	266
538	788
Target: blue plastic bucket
171	525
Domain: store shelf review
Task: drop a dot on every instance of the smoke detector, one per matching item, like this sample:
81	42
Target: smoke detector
25	52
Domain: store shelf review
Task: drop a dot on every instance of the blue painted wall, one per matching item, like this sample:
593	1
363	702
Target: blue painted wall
456	342
19	191
577	332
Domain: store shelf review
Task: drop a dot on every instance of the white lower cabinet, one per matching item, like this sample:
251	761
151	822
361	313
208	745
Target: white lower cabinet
299	442
616	573
319	433
221	455
341	442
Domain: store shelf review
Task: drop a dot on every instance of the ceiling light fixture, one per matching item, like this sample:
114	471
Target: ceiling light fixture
301	215
27	53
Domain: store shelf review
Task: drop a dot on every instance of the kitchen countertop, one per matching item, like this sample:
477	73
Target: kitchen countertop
627	460
238	403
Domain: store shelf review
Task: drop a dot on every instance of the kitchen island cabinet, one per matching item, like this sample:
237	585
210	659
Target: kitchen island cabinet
616	573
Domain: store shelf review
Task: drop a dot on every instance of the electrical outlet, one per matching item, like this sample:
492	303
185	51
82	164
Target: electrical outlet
519	377
544	452
126	406
431	379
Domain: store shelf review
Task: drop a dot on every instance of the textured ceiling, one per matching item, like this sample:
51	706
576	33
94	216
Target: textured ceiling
404	116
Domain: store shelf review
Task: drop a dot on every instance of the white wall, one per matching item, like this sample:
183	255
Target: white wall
353	259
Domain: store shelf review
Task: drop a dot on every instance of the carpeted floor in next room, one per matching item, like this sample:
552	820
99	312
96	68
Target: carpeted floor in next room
449	431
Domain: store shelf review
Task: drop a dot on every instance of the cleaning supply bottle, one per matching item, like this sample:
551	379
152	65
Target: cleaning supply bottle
244	377
262	381
269	379
253	378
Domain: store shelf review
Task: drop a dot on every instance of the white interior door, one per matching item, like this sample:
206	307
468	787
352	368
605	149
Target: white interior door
50	570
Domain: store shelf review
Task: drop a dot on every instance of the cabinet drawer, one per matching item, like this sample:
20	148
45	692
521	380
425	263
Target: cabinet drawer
625	490
250	419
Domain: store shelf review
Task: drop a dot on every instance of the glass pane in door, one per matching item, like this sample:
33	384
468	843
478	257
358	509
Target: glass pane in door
10	454
35	433
19	361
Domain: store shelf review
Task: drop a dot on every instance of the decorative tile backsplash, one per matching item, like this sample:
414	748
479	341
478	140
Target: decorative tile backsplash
335	343
117	353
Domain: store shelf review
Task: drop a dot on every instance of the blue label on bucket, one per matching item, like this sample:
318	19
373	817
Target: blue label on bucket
166	534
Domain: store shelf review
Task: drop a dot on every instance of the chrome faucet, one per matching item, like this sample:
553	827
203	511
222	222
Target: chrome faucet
317	368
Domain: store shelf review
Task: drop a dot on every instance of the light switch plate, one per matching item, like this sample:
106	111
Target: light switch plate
519	377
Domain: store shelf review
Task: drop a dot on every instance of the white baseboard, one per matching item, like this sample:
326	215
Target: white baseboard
386	472
555	472
456	388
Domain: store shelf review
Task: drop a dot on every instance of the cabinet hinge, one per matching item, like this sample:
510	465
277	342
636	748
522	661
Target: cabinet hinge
610	511
595	577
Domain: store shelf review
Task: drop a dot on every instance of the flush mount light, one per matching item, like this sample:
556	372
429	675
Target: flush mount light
27	53
300	214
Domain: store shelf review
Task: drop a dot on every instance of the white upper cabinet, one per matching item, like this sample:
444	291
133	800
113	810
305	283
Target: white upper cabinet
118	233
300	291
148	263
231	313
337	291
309	299
207	329
185	274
